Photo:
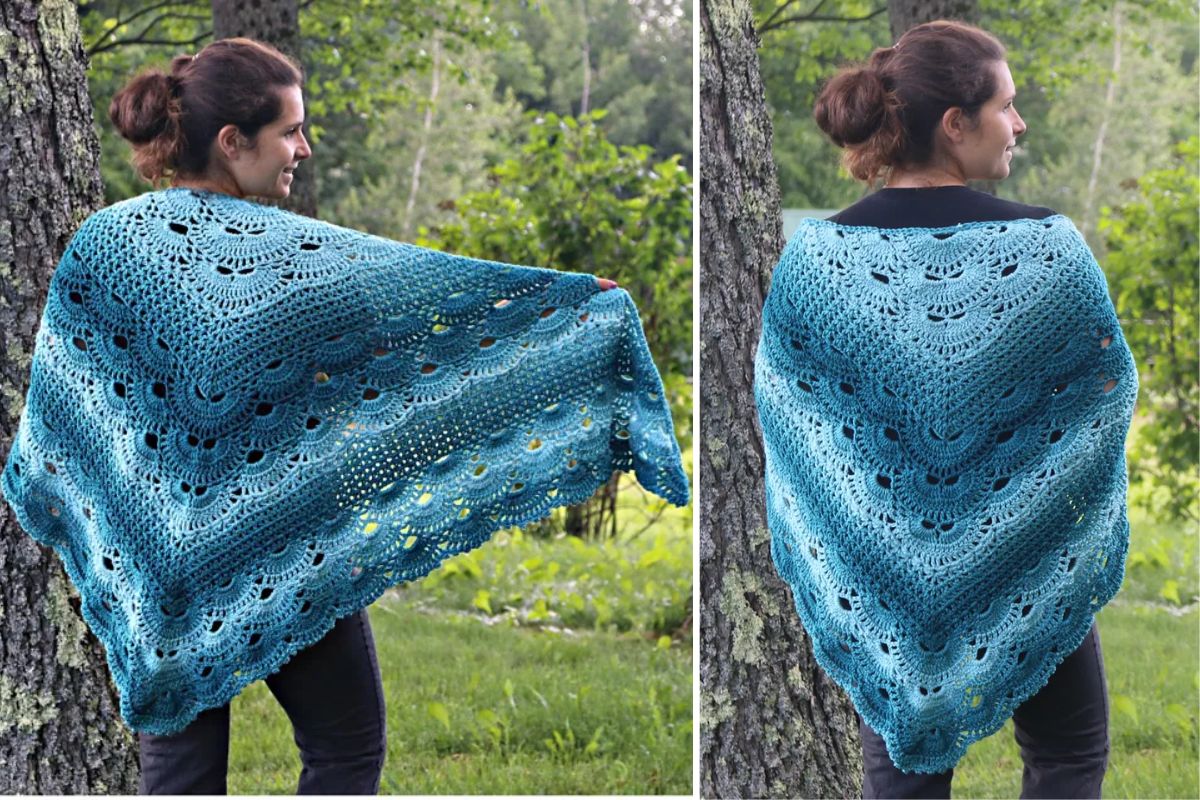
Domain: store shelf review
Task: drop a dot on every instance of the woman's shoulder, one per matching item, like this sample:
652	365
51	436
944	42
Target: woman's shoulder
935	207
1019	210
136	204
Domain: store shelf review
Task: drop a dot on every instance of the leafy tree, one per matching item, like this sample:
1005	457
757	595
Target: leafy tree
391	173
571	200
1090	138
1152	263
631	57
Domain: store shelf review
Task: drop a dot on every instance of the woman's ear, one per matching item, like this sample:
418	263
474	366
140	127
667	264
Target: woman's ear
231	142
954	124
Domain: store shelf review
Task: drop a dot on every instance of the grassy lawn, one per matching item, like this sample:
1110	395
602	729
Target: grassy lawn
529	666
1150	638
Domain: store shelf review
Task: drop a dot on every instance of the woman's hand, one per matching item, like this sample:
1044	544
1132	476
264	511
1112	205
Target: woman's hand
605	283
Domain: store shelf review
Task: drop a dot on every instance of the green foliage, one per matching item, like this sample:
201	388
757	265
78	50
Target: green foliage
573	201
639	66
1081	150
795	60
639	581
1161	568
1045	38
392	171
354	57
1152	263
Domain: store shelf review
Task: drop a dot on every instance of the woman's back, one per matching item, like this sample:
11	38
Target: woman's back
943	414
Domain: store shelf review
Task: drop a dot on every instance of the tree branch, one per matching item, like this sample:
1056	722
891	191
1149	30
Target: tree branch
122	42
134	16
812	17
768	22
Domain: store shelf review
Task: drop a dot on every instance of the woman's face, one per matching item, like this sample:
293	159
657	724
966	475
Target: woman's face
265	171
985	152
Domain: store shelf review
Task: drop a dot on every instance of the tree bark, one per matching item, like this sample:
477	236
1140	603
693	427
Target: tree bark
771	723
60	731
276	22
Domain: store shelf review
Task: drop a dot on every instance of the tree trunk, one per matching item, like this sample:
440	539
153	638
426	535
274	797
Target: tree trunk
1110	96
586	57
771	723
276	22
60	731
903	14
435	82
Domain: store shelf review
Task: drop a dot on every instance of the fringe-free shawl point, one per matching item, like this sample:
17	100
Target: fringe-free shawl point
244	424
944	413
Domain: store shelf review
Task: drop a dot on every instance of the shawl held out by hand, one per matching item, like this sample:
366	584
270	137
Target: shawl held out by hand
244	424
944	413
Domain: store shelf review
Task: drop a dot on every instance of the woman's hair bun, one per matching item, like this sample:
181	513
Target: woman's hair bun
853	106
140	110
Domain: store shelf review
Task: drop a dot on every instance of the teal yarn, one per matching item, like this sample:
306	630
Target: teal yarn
244	424
944	413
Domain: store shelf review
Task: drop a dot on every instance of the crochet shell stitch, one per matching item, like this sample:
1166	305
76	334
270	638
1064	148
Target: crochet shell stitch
944	413
244	424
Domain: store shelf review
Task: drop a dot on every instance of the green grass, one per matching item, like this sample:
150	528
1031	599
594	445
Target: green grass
475	708
1150	639
529	666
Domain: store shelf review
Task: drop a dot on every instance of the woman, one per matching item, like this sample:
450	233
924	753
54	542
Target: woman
944	393
244	425
332	691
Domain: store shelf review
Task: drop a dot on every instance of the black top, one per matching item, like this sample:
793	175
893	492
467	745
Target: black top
934	207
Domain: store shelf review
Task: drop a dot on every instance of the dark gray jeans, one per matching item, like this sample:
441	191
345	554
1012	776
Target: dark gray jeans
333	694
1062	731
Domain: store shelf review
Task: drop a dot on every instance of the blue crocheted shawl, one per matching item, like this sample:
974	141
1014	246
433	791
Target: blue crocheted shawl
944	413
243	424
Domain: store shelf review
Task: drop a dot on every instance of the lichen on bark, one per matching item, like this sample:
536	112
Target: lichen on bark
22	709
70	634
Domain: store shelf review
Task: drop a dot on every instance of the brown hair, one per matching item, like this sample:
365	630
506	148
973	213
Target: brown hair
884	111
171	119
